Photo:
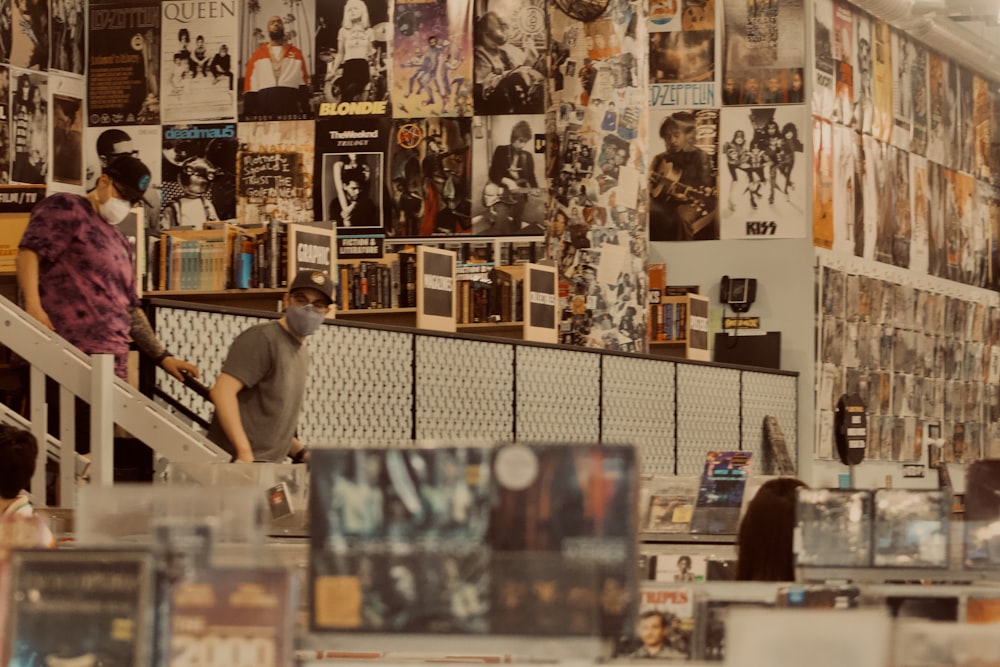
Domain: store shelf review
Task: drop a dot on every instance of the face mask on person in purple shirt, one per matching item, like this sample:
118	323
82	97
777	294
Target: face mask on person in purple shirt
114	210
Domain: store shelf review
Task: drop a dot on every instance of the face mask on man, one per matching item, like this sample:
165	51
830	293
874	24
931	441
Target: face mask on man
114	210
304	320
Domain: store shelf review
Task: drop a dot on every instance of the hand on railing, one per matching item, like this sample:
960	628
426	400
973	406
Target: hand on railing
191	382
39	314
179	368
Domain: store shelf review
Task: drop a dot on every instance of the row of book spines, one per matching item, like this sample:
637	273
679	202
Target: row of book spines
232	258
369	285
498	299
669	321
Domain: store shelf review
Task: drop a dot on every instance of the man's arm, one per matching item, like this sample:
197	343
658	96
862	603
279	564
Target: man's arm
26	263
227	410
147	342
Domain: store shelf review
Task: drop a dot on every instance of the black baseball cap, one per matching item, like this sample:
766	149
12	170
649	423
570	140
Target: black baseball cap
316	280
130	175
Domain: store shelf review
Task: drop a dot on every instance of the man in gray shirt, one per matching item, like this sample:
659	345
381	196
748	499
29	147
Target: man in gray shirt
258	395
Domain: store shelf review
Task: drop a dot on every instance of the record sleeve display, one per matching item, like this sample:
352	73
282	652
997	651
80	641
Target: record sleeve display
665	625
911	528
670	509
398	539
982	515
720	494
80	607
515	540
833	528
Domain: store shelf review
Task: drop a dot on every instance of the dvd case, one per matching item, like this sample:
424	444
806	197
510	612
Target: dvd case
720	493
521	539
710	626
665	624
238	616
911	528
398	539
670	509
563	525
80	606
982	515
833	528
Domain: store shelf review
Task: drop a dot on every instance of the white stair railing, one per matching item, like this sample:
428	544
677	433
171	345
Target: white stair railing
112	401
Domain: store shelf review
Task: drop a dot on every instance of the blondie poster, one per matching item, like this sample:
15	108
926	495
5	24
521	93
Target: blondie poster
350	177
822	191
123	82
274	165
432	74
764	50
276	60
764	181
353	46
198	82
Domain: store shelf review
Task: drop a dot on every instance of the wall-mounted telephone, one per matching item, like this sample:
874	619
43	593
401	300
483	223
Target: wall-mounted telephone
738	293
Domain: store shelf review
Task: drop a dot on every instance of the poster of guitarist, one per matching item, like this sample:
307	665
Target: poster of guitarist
509	77
512	183
682	179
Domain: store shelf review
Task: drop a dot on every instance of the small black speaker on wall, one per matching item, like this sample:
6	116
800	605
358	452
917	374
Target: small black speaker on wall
763	349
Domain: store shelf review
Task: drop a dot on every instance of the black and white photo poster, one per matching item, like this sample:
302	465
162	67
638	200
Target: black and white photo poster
763	183
197	82
351	188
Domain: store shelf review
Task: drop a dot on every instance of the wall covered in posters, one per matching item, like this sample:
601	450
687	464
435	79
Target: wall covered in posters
461	118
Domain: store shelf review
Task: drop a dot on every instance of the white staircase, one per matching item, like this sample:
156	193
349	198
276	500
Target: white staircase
112	401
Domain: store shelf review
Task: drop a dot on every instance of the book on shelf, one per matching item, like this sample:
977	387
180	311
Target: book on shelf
196	259
681	319
720	493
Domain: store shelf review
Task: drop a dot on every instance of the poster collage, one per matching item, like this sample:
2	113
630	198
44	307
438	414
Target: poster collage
383	118
452	118
906	166
726	163
382	106
923	355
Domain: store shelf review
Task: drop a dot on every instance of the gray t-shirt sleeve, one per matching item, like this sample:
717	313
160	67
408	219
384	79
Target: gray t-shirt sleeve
249	359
